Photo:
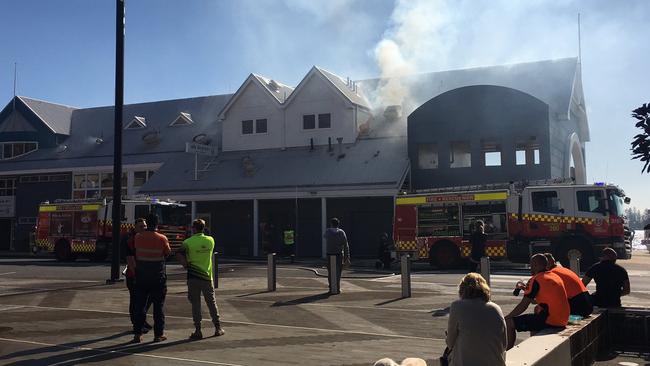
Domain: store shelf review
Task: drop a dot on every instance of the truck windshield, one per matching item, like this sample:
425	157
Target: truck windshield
176	215
615	203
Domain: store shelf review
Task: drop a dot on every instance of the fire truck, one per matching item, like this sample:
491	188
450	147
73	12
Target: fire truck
84	228
568	220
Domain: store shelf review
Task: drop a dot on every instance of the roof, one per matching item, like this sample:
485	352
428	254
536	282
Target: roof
551	81
378	163
56	116
278	90
91	134
354	97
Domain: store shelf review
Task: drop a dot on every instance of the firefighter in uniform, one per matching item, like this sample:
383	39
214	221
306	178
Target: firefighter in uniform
290	243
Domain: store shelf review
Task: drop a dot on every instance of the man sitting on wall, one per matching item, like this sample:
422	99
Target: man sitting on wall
579	300
547	291
612	280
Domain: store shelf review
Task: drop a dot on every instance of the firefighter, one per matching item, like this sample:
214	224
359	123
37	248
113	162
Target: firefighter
128	245
289	237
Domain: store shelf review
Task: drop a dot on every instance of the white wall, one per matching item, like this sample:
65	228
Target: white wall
253	103
319	96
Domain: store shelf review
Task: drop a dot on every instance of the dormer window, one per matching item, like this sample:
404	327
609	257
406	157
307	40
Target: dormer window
10	150
136	123
184	119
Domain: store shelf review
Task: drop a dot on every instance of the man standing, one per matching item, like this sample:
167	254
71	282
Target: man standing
151	249
128	243
196	256
576	292
337	245
547	290
478	241
612	280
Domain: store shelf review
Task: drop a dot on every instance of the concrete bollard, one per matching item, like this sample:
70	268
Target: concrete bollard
485	269
406	275
215	269
332	274
271	272
574	263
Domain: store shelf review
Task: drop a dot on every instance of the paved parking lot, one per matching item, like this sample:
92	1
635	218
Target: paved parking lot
64	314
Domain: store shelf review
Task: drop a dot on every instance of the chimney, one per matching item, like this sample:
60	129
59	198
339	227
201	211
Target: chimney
329	144
348	82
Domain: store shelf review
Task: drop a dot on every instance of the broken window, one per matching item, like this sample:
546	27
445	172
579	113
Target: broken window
461	156
491	153
428	156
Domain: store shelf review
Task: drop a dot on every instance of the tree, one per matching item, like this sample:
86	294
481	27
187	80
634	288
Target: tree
641	142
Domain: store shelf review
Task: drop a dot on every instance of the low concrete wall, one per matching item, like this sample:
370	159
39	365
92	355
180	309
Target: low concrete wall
576	345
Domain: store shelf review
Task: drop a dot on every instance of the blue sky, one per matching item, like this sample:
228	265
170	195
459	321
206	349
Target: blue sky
184	48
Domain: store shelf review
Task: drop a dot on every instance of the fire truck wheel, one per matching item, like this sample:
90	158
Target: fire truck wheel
578	250
62	251
444	255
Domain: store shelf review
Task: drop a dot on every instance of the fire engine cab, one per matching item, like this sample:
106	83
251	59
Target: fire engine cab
84	228
567	220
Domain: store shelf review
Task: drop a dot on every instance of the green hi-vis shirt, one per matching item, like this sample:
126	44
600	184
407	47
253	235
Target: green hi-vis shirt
198	250
288	237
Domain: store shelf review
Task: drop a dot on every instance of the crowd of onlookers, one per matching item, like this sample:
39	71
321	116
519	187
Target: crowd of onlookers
479	334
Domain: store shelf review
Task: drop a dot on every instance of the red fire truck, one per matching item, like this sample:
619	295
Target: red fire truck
83	228
564	219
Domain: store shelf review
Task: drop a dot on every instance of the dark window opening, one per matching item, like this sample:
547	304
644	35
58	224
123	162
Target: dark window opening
308	122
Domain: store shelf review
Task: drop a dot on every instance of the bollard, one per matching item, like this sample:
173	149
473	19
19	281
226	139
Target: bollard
270	272
574	264
485	269
332	272
215	269
406	275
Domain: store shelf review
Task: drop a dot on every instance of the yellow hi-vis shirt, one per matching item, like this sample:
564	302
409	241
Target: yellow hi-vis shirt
198	250
288	237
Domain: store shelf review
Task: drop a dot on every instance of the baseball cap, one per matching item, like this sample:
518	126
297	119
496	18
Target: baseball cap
608	254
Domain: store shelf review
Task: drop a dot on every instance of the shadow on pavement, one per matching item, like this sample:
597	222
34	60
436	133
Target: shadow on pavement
303	300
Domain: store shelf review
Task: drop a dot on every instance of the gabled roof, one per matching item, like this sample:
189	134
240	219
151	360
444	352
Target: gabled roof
137	123
55	116
336	82
183	119
265	84
90	123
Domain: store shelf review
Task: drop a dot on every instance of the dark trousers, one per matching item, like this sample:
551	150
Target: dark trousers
339	267
581	305
130	284
155	293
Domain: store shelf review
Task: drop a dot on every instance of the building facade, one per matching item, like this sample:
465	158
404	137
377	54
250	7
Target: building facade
293	157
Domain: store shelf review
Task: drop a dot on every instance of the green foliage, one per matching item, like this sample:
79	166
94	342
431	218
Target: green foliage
641	142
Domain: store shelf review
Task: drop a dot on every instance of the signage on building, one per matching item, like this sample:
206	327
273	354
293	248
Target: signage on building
200	149
7	206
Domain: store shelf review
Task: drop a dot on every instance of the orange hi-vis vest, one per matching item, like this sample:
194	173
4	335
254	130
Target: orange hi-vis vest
572	283
151	246
552	295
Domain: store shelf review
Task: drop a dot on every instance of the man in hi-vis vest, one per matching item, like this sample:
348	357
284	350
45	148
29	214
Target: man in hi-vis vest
196	256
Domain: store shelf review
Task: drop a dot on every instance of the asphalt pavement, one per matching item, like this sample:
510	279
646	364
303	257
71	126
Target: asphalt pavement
64	314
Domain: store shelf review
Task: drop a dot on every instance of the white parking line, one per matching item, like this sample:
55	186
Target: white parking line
6	273
103	352
240	322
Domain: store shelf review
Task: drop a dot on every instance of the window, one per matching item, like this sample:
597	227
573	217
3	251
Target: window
428	156
260	125
521	157
141	211
247	127
11	150
545	201
308	122
591	201
527	153
491	153
183	119
461	156
324	120
141	177
136	123
8	187
95	185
